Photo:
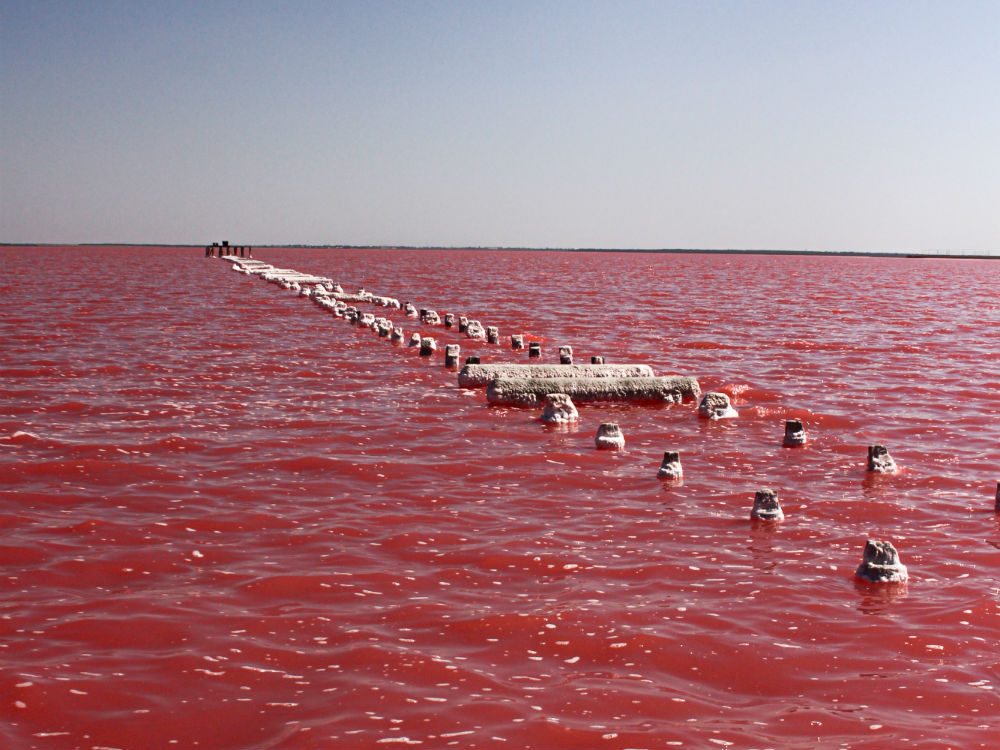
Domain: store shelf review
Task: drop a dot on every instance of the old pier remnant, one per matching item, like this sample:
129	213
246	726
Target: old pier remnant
609	437
559	407
795	433
716	405
483	375
531	391
766	506
670	468
880	563
879	460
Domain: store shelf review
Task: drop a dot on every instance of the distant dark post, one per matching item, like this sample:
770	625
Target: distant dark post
597	360
534	349
473	360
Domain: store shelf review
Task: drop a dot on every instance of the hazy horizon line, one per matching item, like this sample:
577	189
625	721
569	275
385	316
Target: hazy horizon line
526	248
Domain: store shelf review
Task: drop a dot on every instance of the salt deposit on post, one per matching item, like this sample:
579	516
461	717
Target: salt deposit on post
670	468
517	341
880	461
559	407
766	506
475	330
880	563
795	433
483	375
430	317
397	335
427	346
451	353
609	436
449	320
414	339
530	391
716	406
492	335
565	355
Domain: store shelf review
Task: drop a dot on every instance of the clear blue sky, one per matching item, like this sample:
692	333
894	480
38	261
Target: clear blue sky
794	125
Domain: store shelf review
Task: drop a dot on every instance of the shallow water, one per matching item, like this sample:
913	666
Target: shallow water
232	520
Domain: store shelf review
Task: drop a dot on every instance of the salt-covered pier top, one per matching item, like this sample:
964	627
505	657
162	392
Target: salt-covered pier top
532	391
472	376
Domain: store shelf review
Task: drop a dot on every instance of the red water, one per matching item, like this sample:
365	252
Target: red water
232	520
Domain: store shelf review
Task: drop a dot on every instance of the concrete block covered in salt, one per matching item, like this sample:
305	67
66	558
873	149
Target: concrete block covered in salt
531	391
483	375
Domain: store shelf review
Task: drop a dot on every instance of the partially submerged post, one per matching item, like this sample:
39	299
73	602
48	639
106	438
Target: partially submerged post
534	349
449	320
609	436
997	506
427	346
795	433
473	360
475	330
559	408
463	324
451	352
766	506
597	360
880	461
880	563
565	355
492	335
414	339
671	466
716	406
517	341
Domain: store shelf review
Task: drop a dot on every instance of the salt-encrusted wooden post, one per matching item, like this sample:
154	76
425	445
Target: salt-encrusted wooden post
492	335
463	323
670	468
451	352
449	320
597	360
565	355
795	433
609	435
534	349
766	506
473	360
517	341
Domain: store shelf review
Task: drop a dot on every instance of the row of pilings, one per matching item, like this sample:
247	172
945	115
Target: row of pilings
553	387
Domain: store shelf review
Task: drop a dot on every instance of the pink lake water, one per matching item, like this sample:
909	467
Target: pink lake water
232	520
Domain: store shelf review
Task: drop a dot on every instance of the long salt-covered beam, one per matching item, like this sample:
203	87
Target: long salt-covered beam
472	376
532	391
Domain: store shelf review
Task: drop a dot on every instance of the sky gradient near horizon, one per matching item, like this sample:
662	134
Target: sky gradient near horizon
760	125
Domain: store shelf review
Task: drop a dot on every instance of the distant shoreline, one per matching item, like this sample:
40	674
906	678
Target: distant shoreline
677	251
